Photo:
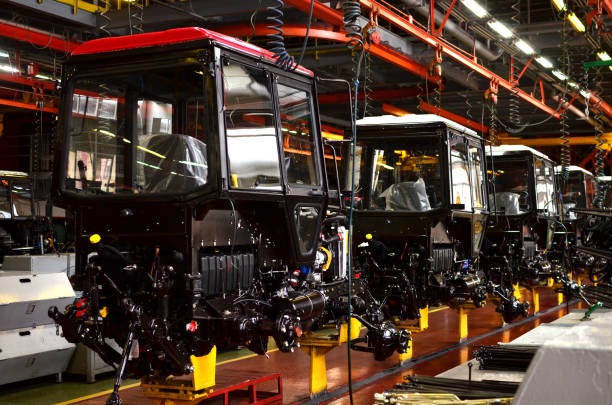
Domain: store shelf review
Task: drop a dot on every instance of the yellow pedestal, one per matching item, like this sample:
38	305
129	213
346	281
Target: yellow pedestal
420	326
595	280
535	296
517	291
560	298
463	323
175	391
317	347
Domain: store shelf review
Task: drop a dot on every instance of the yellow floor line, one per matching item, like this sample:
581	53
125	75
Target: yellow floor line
101	393
436	309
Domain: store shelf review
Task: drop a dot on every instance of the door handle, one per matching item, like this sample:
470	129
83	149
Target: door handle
316	193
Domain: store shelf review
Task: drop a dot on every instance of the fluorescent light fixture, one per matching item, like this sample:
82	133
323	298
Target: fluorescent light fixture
475	8
500	28
603	55
559	5
585	94
573	85
545	63
576	23
385	166
559	75
43	77
4	54
524	47
7	68
142	148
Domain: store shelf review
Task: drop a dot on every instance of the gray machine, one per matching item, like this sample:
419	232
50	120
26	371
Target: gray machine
30	344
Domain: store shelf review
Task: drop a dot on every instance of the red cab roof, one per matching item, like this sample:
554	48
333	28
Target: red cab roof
173	36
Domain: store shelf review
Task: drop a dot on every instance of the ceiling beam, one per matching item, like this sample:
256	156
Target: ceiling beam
380	51
19	32
57	10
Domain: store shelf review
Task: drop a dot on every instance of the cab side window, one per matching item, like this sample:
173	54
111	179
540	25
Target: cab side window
460	176
298	142
252	142
477	177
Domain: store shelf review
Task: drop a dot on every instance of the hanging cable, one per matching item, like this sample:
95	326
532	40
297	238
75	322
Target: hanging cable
565	155
367	81
106	20
276	40
420	96
600	196
514	112
307	34
351	12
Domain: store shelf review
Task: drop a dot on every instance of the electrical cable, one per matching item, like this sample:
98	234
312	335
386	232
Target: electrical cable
522	127
602	187
351	12
106	20
514	112
252	21
310	13
564	154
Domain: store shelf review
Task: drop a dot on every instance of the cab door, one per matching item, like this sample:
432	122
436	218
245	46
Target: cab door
302	164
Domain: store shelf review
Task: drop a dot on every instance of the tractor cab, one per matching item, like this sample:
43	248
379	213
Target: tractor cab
19	222
194	166
524	208
420	212
578	192
606	181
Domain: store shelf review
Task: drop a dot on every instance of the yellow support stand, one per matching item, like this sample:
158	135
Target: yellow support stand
517	291
535	295
463	323
174	391
420	326
316	346
595	280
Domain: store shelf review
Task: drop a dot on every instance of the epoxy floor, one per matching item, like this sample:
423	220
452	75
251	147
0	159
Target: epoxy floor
369	376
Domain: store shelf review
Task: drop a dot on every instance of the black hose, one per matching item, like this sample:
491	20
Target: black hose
276	41
352	11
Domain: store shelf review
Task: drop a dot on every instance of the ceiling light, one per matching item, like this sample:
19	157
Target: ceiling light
43	77
4	54
524	47
576	23
545	63
586	94
559	5
603	55
475	8
7	68
573	85
559	75
500	28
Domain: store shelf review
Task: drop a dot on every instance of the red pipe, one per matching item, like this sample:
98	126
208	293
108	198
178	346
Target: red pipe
21	33
26	81
436	43
320	11
334	17
454	117
379	51
376	95
27	106
600	104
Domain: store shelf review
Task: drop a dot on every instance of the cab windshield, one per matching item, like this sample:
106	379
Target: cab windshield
510	194
545	186
139	132
579	191
405	177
